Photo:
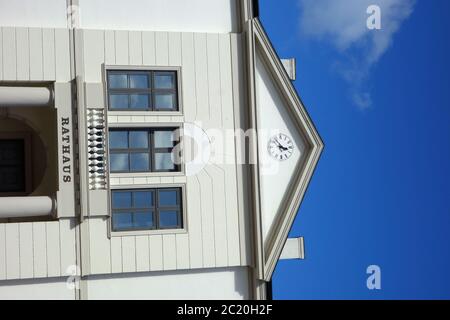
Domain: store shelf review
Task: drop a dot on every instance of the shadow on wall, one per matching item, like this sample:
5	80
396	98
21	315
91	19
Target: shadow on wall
34	130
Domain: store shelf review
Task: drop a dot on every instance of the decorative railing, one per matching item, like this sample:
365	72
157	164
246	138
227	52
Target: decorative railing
97	159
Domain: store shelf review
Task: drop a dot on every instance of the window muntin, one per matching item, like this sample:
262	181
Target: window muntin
143	150
142	90
146	209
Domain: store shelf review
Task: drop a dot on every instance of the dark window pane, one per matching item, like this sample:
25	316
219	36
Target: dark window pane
164	101
168	197
116	81
139	101
119	162
168	218
12	179
12	165
122	221
143	220
118	101
118	139
139	81
139	139
139	162
163	139
164	80
143	199
12	152
163	161
121	199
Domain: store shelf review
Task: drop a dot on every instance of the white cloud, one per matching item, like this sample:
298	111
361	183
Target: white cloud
343	23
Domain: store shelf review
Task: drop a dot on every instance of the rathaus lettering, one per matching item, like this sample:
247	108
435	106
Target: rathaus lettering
65	145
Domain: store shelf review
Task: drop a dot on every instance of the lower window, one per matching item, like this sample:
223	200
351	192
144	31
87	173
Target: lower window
146	209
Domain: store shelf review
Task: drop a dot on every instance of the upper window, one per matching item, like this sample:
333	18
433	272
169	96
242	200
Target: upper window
143	150
143	90
146	209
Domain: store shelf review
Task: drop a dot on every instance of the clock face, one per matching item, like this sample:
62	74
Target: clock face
280	147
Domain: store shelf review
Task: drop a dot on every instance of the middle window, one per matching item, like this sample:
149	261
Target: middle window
143	150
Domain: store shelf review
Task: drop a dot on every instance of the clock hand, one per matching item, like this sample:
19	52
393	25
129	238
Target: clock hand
280	146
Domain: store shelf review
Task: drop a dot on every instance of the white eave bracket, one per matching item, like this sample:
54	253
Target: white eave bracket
294	248
290	67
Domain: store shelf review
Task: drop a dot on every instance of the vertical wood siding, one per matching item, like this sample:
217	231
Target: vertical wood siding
36	249
34	54
213	238
213	232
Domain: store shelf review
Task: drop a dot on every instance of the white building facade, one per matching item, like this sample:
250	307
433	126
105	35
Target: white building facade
149	149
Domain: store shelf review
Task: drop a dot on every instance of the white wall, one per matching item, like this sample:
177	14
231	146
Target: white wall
213	228
41	249
224	283
273	116
159	15
36	289
32	13
154	15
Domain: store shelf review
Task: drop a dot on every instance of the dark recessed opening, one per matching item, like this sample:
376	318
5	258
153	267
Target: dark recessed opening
12	165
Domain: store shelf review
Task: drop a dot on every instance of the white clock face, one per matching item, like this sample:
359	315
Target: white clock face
280	147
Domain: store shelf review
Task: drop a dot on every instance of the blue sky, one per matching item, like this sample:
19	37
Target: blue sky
381	192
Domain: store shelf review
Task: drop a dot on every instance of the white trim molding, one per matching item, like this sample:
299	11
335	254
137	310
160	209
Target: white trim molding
271	246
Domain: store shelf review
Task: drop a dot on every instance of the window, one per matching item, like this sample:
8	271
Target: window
146	209
143	90
15	164
143	150
12	166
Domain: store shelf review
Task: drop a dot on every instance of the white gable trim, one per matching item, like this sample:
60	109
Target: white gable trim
268	252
